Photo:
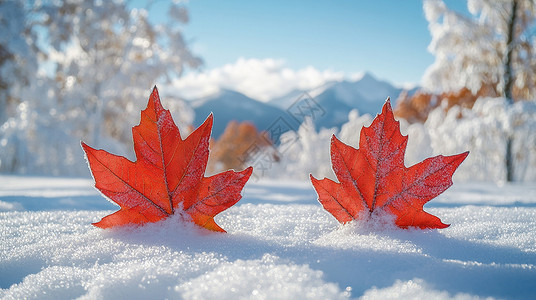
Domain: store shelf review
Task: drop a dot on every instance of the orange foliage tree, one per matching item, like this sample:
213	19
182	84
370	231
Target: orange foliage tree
415	108
235	146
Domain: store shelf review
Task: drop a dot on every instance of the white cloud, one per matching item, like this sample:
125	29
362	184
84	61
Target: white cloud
261	79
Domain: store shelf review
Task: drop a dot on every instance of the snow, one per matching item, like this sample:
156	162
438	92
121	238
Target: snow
280	244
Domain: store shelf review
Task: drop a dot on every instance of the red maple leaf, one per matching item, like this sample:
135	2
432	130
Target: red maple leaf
373	179
168	175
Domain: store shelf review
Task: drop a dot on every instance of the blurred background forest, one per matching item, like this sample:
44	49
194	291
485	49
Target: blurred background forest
82	70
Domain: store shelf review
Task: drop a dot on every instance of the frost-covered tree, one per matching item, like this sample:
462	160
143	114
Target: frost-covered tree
303	152
98	63
107	57
495	46
484	130
18	61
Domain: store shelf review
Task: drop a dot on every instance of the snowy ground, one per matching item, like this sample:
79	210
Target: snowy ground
280	245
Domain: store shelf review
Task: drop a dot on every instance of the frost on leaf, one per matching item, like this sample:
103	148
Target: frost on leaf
168	175
373	179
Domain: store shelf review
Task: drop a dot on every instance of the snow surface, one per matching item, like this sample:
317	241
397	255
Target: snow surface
280	244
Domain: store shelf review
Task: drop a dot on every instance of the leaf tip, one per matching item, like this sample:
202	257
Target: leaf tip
387	106
334	139
438	225
246	173
86	148
211	225
154	99
459	158
154	93
99	225
209	120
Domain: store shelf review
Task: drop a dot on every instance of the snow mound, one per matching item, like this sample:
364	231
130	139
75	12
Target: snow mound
261	279
415	289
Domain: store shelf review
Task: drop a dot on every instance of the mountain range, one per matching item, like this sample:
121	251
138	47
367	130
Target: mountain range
328	106
227	105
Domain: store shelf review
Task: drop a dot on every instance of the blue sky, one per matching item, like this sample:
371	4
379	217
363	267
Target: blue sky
388	38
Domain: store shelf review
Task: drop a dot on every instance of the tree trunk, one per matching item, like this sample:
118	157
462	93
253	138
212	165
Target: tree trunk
508	84
96	118
508	72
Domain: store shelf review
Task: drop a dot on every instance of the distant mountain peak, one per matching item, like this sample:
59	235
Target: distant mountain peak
362	76
364	92
223	95
228	105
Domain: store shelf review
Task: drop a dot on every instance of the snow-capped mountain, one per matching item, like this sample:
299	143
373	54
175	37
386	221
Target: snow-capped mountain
365	91
335	99
366	94
230	105
288	99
